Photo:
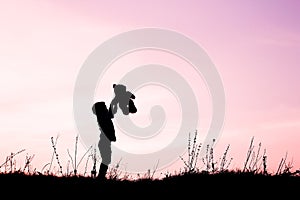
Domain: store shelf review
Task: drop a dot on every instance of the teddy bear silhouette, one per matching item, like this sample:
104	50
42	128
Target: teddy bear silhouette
123	99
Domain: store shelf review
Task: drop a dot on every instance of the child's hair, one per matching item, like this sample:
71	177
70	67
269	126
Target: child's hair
100	109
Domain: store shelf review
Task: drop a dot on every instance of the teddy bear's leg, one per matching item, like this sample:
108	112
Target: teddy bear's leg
132	108
124	107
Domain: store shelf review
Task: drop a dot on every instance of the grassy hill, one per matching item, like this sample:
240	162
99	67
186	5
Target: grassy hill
217	180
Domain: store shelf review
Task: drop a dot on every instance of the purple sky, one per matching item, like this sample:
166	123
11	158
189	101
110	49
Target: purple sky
255	46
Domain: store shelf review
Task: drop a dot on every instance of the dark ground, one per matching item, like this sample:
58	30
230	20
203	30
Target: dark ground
198	186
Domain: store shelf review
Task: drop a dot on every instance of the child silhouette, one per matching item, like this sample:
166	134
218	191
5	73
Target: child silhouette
107	135
124	99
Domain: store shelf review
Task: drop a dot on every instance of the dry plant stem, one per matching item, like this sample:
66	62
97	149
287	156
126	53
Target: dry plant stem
75	155
9	159
53	154
56	154
81	159
281	164
75	165
249	153
193	153
28	160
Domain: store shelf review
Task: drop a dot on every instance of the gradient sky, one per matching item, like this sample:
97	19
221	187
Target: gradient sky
255	46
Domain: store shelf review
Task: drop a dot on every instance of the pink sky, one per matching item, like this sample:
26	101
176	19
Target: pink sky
255	46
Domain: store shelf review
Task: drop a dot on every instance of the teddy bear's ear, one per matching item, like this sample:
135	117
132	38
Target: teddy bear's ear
114	85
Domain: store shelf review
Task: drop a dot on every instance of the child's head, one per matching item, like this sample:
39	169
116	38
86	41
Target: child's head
100	109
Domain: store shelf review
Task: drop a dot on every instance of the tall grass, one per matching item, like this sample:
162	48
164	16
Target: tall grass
74	162
255	162
209	161
9	164
193	150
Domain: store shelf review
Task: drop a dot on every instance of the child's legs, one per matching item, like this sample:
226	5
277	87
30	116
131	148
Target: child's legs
104	146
